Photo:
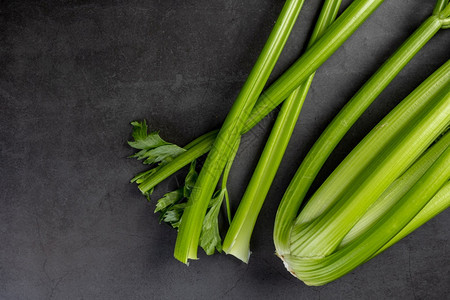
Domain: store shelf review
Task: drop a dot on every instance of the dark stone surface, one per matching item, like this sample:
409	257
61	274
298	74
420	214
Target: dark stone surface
73	74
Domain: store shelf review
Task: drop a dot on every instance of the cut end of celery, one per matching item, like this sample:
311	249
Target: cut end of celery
240	252
185	260
184	254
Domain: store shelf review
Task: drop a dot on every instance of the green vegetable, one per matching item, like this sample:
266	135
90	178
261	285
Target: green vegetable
338	33
321	244
345	25
437	204
321	150
397	190
228	136
318	271
237	240
153	150
210	237
173	204
169	199
149	179
396	179
359	181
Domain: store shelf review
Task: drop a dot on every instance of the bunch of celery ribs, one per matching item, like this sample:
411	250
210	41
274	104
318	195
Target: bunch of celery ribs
393	181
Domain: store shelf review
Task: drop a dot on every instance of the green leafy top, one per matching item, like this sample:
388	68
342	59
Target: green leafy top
210	237
171	206
153	149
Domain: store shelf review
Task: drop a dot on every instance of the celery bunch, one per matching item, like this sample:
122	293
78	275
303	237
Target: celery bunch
377	194
251	107
396	179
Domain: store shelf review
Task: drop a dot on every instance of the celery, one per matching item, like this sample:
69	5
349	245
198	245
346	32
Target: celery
237	240
392	182
338	33
322	235
340	125
319	271
397	190
333	38
437	204
320	245
222	150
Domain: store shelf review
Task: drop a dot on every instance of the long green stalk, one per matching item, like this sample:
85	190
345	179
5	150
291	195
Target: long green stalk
397	190
338	33
237	240
191	223
321	150
437	204
319	271
204	143
321	236
345	25
398	140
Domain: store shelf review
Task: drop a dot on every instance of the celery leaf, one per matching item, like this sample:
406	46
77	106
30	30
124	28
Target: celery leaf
210	238
169	199
153	149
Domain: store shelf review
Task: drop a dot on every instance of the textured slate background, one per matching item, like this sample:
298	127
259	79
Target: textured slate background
73	74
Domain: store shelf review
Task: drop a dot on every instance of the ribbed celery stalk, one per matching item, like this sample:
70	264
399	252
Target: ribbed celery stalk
440	5
192	220
397	190
338	33
321	236
237	240
437	204
319	271
318	154
313	251
334	37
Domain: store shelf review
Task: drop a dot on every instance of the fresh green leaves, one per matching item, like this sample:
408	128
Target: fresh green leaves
153	149
172	205
190	180
210	237
168	200
173	215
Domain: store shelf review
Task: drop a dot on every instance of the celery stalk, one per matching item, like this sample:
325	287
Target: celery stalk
316	251
337	34
321	150
319	271
237	240
397	190
191	223
322	235
437	204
